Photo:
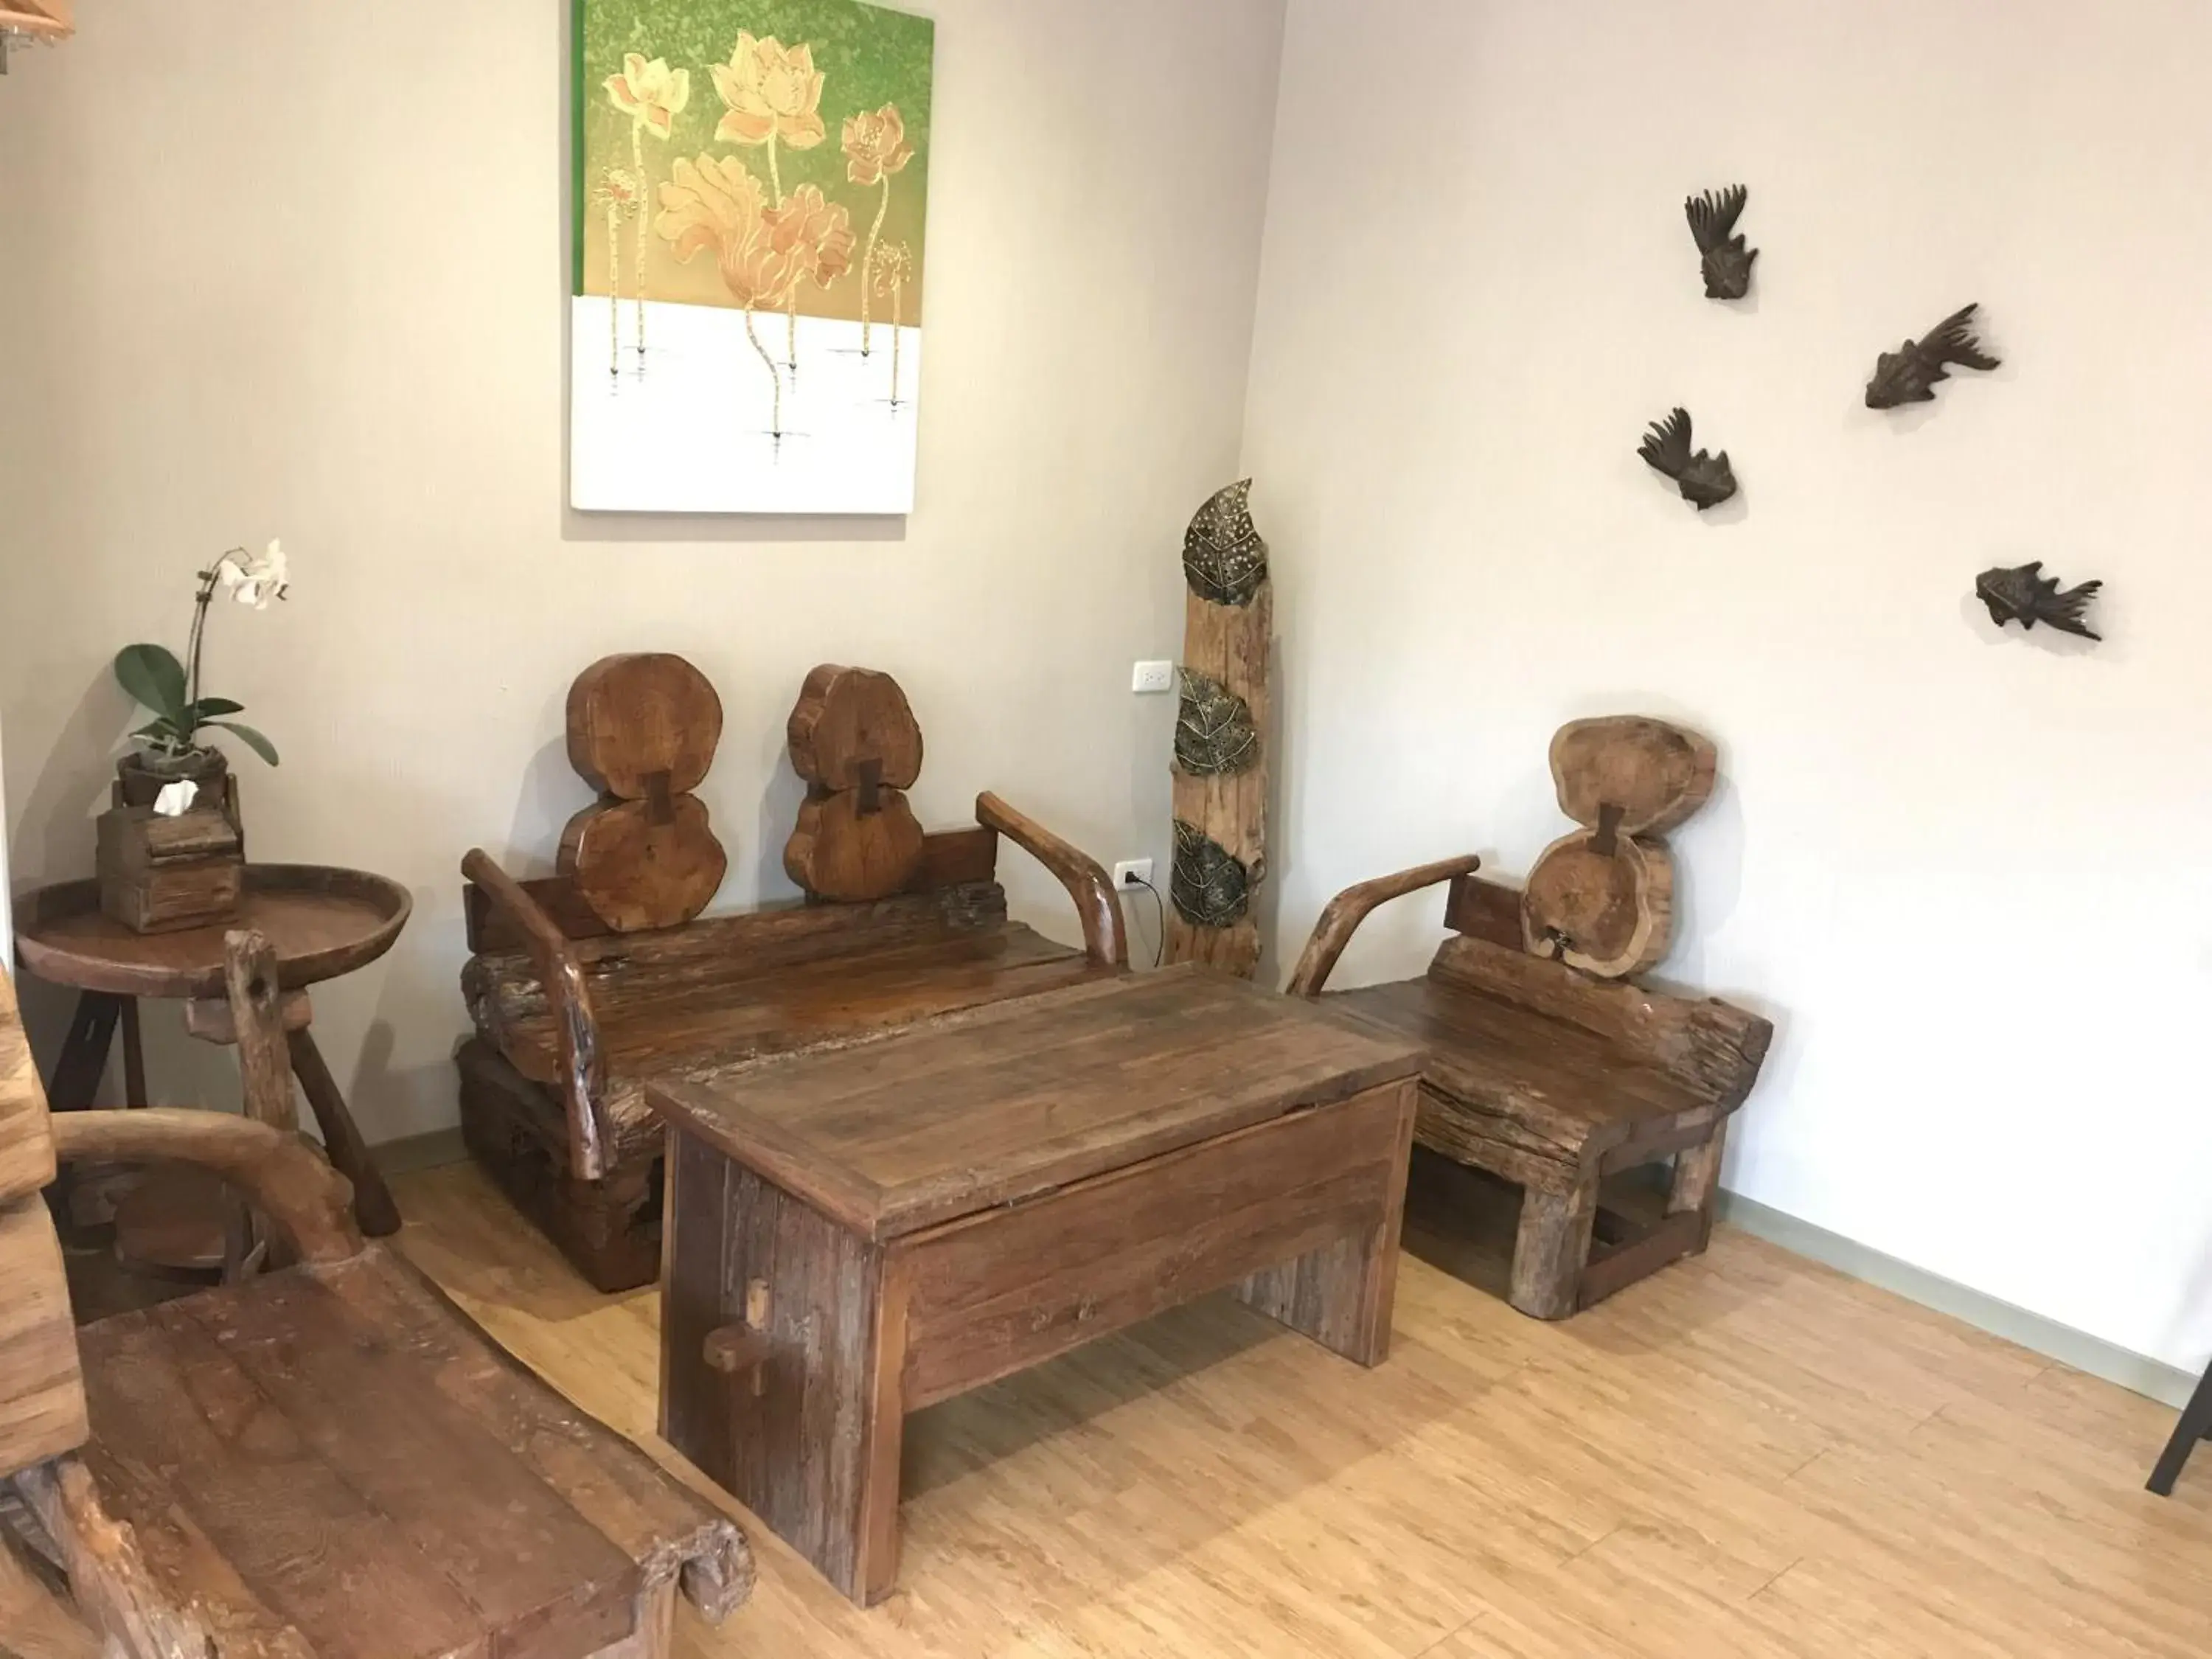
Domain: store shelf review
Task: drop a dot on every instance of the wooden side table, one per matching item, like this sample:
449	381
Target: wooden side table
855	1234
319	922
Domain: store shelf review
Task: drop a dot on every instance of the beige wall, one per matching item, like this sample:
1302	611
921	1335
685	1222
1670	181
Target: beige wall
276	268
1962	869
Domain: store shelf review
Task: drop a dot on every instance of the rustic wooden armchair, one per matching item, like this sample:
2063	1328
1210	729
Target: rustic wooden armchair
330	1459
571	1016
1545	1065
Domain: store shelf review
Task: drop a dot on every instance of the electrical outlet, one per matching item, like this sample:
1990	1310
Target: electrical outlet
1131	872
1153	677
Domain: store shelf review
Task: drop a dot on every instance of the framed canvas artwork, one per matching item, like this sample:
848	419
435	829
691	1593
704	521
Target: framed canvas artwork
746	319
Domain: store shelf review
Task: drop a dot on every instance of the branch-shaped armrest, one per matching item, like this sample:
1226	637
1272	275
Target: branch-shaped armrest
1344	914
569	999
1104	933
284	1177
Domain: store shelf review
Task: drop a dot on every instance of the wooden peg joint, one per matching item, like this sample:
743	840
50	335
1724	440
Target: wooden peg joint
659	804
872	785
1608	830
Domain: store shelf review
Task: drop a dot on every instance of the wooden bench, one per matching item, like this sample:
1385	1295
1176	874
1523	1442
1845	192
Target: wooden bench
1550	1074
585	983
271	1469
571	1017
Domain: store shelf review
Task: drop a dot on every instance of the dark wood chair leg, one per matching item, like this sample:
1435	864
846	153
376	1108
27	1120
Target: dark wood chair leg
2195	1425
1552	1249
373	1206
1698	1183
72	1088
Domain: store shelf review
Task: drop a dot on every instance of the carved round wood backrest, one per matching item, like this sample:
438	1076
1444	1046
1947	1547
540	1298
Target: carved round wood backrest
856	744
1602	899
642	731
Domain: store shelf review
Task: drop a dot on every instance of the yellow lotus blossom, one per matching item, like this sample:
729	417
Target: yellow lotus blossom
770	91
875	144
651	94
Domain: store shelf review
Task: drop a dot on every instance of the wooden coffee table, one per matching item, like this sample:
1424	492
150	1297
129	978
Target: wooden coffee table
854	1234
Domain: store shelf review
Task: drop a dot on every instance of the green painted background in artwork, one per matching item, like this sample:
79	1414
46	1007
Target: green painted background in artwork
868	56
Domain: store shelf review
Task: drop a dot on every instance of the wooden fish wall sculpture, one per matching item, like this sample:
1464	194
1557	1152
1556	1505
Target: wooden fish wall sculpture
1909	374
2025	595
1704	480
1721	255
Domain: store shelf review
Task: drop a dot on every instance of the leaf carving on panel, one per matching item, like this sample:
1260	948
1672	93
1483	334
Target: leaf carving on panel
1214	731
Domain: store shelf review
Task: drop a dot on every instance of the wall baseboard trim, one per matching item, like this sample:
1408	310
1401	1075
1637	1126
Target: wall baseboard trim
2137	1372
413	1153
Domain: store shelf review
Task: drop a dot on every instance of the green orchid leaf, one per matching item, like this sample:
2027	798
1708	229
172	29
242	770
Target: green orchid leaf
158	732
152	674
253	739
209	708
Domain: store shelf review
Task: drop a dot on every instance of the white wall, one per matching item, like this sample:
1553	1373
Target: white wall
274	268
1967	872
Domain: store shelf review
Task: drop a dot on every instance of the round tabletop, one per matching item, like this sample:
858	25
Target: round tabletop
320	921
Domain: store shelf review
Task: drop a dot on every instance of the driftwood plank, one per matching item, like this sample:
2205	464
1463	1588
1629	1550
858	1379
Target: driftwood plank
42	1411
531	1568
1229	643
165	1398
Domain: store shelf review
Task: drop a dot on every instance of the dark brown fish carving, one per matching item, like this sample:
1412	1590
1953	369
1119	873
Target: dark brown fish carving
1704	480
2025	595
1726	261
1909	374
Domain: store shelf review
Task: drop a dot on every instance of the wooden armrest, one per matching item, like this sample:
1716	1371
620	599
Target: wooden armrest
1343	914
1105	935
583	1063
281	1175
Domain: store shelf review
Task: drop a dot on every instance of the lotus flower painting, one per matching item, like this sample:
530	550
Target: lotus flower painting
749	183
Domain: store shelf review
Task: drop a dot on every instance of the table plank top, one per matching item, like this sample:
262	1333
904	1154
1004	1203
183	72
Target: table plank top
321	920
984	1107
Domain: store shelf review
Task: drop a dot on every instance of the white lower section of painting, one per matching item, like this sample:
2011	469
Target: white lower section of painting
693	426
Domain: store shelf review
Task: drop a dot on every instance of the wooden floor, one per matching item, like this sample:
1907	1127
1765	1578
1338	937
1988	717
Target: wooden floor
1747	1455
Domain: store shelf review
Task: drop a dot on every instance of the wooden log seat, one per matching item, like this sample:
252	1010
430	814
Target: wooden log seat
330	1460
1554	1079
572	1017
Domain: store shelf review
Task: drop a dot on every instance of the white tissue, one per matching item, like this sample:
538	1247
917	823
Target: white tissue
175	798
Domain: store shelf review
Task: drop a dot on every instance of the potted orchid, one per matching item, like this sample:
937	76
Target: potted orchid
171	748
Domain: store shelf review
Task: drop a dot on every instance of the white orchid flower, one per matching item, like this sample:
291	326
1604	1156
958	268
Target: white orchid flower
256	579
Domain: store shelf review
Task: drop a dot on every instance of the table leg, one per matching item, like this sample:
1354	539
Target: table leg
2195	1425
84	1051
808	1436
373	1203
82	1196
1342	1294
134	1055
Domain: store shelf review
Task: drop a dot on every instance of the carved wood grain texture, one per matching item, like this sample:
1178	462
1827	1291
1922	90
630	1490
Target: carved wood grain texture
806	1455
332	1461
42	1412
1302	1211
27	1147
1229	643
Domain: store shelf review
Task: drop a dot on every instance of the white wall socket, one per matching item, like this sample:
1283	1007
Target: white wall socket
1130	871
1153	677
